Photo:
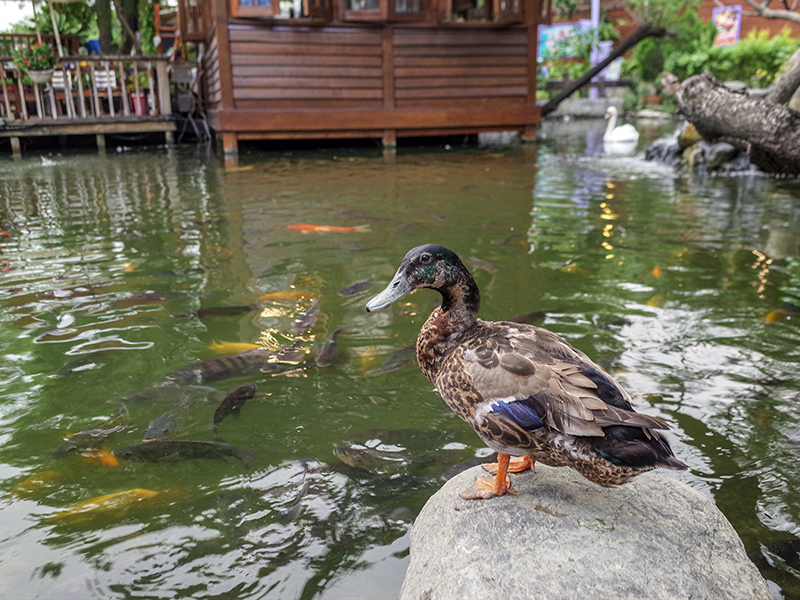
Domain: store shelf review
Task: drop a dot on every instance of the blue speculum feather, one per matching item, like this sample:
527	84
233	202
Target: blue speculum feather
519	412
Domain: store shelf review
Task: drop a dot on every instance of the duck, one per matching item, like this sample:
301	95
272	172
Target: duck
623	133
527	393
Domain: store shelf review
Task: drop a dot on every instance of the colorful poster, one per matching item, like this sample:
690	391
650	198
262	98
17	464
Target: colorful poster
553	39
728	21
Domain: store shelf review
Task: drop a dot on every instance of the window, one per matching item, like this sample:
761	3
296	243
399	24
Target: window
252	8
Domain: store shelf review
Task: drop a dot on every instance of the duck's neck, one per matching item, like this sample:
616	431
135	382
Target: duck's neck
457	313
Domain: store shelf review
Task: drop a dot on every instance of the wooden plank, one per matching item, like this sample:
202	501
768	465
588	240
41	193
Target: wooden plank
308	104
302	94
305	35
459	71
452	82
439	37
449	103
475	92
462	51
342	48
303	71
440	61
301	83
378	119
289	60
310	135
69	127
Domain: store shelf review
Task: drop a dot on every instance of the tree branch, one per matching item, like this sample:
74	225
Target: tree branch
763	10
642	32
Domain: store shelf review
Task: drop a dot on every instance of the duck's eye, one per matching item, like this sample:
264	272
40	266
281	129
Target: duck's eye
425	259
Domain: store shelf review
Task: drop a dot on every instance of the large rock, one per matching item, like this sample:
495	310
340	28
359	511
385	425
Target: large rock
563	537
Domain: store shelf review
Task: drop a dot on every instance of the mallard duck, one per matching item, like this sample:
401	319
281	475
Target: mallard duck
623	133
524	390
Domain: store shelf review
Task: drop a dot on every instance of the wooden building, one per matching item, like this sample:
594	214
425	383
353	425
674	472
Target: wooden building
380	69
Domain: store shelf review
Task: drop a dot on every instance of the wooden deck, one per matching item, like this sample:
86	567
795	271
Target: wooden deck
88	95
290	78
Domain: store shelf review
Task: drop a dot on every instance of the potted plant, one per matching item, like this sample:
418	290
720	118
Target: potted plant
37	60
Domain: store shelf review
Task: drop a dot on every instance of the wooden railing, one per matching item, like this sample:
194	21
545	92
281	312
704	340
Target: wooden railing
89	87
10	41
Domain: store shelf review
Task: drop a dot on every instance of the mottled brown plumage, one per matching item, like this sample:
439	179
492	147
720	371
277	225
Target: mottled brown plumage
524	390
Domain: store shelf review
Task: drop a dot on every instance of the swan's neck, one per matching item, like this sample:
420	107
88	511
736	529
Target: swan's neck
612	123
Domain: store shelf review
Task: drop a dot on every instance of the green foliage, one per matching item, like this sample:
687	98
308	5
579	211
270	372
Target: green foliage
689	34
147	26
756	59
663	13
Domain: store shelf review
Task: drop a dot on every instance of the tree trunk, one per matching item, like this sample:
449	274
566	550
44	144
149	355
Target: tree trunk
642	32
103	10
769	132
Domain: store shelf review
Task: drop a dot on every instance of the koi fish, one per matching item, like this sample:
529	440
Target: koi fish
160	451
232	403
36	483
306	320
169	425
217	311
116	504
357	288
99	457
327	228
229	365
329	351
91	439
289	295
656	272
232	347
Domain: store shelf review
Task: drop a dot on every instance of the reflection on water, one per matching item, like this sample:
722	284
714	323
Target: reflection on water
119	271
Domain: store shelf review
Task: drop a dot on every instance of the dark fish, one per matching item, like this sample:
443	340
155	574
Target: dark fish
468	464
84	363
358	287
479	263
329	351
214	311
178	450
232	403
169	424
400	359
173	394
306	321
531	317
229	365
90	439
373	460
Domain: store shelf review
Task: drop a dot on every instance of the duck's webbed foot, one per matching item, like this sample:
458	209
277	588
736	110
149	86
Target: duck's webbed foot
488	487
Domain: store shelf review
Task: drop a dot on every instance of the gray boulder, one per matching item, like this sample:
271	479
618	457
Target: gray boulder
563	537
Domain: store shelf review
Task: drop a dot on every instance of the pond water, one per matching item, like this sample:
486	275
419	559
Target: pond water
113	268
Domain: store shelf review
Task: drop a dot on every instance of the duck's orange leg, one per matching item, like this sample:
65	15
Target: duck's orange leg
518	464
487	487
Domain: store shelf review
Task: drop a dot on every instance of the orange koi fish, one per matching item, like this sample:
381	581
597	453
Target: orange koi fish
327	228
117	504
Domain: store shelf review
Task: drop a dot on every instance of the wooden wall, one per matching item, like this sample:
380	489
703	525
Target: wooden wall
367	80
285	68
453	68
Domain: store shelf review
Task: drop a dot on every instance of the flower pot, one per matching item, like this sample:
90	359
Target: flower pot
41	77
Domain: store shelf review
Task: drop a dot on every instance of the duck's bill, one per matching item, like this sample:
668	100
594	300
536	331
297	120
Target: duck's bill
397	288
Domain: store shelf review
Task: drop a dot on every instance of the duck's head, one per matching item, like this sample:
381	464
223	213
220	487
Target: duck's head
427	266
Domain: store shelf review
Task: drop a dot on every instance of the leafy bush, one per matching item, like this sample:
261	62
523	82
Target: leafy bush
757	59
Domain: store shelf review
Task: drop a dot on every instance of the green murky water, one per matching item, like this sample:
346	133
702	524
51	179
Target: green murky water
672	282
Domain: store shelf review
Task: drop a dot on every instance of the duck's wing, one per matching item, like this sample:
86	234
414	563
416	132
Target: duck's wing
535	378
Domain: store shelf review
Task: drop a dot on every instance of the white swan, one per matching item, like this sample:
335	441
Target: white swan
623	133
